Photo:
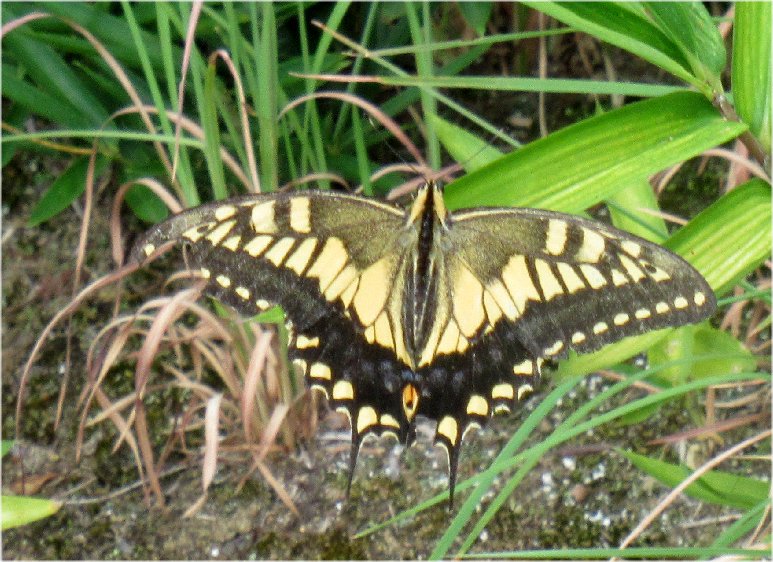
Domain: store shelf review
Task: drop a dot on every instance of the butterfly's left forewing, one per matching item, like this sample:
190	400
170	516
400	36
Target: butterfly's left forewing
333	263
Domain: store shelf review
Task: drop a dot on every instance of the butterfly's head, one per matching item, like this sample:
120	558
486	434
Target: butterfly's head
429	202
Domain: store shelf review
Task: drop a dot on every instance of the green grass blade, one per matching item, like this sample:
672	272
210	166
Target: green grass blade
485	481
572	427
526	84
41	103
730	238
266	58
640	553
421	35
209	123
745	525
51	73
476	14
628	207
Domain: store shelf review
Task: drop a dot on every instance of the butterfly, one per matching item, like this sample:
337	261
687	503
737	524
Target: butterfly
398	312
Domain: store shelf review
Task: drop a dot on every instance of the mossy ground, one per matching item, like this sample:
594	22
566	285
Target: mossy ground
587	500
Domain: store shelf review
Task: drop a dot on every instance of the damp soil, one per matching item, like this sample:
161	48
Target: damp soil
582	496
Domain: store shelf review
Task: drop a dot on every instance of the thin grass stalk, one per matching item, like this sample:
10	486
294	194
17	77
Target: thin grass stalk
146	449
345	112
361	152
313	119
421	30
149	75
390	124
209	121
572	421
494	131
266	59
572	427
187	50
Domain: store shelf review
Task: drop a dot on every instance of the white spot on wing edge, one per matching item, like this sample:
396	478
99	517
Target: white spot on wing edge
621	319
449	428
320	371
502	390
681	302
477	405
262	218
578	338
300	214
556	237
366	418
555	348
343	390
225	212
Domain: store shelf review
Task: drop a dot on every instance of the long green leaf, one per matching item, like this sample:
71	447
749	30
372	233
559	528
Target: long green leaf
583	164
639	553
266	57
41	103
627	28
751	76
209	117
721	488
20	510
52	74
628	210
743	526
730	238
689	26
63	191
528	84
469	150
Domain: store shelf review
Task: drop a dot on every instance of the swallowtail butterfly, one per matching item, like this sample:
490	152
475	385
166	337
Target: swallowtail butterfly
398	313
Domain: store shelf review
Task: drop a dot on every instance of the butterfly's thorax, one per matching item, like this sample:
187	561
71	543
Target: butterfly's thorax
427	216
